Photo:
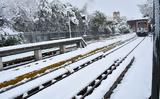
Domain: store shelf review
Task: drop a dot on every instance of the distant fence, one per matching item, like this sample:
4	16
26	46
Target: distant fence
32	37
45	36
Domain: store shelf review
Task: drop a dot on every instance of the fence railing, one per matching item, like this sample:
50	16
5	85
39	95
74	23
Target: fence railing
38	47
40	36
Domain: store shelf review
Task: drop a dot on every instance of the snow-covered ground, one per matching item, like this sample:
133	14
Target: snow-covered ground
39	81
137	81
71	85
12	73
135	85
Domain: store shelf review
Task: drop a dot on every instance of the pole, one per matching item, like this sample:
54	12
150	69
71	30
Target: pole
69	24
156	51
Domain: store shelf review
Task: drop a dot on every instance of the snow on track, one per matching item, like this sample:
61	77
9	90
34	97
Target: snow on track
12	73
71	85
137	81
37	82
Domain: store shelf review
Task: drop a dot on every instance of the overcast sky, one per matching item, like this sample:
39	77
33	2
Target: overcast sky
127	8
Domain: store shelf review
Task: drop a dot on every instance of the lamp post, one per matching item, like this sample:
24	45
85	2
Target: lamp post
85	22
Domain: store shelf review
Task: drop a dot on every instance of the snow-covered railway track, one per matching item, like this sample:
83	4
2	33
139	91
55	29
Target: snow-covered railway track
70	86
119	63
19	80
66	74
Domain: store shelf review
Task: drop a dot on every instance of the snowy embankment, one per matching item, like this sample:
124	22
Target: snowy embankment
12	73
137	81
71	85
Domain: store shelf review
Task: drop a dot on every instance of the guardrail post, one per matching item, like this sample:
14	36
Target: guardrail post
62	49
83	43
38	54
78	44
1	63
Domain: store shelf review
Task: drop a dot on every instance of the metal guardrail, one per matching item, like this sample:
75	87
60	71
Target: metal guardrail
38	47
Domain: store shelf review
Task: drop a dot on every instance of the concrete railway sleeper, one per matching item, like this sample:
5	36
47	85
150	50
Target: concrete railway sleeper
87	90
67	74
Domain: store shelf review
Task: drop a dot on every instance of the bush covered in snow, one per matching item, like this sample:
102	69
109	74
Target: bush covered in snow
124	28
10	40
9	37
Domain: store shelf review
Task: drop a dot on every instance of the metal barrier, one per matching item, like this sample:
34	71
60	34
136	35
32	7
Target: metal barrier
38	47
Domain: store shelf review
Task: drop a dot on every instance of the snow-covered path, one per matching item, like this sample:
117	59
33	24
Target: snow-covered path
69	86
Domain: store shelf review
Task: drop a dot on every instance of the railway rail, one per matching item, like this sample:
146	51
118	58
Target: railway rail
87	90
62	76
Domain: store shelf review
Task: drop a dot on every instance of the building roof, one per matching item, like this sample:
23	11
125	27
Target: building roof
144	19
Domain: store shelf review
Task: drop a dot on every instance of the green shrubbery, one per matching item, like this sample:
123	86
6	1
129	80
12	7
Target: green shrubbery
10	40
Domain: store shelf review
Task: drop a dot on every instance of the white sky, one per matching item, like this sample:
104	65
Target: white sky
127	8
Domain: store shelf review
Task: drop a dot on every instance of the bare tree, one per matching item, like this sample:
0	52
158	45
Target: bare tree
147	9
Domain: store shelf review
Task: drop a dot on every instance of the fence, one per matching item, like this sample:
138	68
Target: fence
38	47
32	37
